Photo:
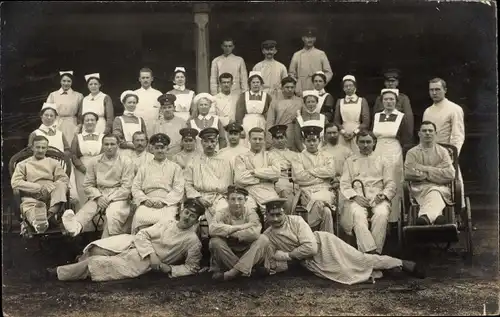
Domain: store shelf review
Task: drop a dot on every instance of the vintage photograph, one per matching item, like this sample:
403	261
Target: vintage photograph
235	158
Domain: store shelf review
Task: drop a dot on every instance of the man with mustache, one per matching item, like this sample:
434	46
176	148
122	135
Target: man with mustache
169	123
272	70
107	184
208	175
333	148
157	188
322	253
374	189
234	238
430	169
142	155
313	172
308	61
157	248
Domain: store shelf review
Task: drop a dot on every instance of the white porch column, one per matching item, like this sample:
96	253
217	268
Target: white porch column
201	18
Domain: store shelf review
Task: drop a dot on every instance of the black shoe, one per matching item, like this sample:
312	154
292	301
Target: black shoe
51	273
413	269
423	221
440	220
261	271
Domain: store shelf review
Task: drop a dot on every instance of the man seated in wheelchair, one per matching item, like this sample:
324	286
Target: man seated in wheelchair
367	184
158	187
313	171
43	186
107	184
429	170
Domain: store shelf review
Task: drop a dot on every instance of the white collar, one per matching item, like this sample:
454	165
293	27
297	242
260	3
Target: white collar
208	117
61	91
96	97
351	97
144	89
46	128
321	92
256	93
128	113
181	88
85	133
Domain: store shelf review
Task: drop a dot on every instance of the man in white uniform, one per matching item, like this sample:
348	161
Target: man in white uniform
429	169
228	63
224	104
148	106
272	70
141	155
368	186
448	118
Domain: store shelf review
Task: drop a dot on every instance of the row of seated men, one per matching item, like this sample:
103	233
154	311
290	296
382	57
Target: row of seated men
159	186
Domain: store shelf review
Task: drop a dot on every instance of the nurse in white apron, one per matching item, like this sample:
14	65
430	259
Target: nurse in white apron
48	129
126	125
85	146
351	113
252	106
393	133
326	103
99	103
67	101
202	119
309	116
184	97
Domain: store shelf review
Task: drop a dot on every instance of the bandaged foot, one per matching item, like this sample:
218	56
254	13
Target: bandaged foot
40	221
72	226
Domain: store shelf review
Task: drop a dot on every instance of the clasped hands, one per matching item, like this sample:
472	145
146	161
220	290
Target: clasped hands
365	202
157	265
151	203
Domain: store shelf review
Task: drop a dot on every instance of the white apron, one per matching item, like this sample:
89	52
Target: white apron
128	131
321	101
350	114
253	118
183	105
389	149
97	106
319	123
89	150
215	125
56	141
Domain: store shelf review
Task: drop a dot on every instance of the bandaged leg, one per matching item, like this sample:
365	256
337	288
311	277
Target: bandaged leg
364	237
431	205
116	217
145	217
74	223
35	213
379	219
79	270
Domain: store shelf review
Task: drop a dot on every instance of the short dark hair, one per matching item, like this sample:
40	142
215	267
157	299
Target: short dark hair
427	122
227	39
365	132
96	116
110	135
136	133
438	80
255	130
39	138
331	125
225	75
146	70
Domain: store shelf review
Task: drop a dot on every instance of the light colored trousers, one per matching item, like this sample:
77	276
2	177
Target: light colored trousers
146	217
116	216
374	238
432	205
223	255
319	214
58	195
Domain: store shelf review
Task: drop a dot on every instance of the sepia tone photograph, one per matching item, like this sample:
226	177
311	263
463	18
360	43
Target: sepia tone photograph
235	158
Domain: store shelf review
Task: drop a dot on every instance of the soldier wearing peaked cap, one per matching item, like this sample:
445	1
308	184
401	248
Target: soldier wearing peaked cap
169	123
403	104
236	244
158	187
188	147
313	171
272	70
308	61
236	147
309	115
284	186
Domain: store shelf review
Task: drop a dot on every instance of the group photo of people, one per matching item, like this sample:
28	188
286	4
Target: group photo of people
243	159
210	159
